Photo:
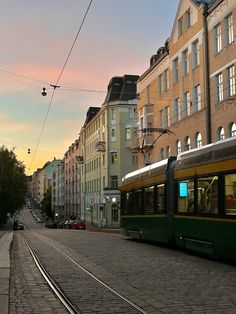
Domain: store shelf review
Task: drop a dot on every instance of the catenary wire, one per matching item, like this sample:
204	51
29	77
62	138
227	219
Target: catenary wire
57	82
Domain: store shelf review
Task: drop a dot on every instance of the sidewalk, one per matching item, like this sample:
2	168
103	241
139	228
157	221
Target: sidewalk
5	246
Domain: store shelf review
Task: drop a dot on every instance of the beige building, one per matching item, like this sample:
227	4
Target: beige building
106	152
177	92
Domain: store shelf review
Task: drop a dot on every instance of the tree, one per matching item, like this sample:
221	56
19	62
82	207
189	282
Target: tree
13	183
46	204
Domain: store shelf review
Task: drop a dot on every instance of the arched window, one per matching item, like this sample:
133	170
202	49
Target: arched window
198	139
233	130
178	147
187	143
220	134
168	151
161	153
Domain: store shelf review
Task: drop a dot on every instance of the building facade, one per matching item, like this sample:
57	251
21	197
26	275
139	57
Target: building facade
106	152
181	100
72	207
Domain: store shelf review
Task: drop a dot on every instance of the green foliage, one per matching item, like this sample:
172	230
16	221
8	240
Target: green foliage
46	204
13	183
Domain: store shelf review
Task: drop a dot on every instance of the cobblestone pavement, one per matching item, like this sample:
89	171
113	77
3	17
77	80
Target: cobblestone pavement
158	279
29	293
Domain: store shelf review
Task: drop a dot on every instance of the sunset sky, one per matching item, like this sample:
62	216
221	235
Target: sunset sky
118	37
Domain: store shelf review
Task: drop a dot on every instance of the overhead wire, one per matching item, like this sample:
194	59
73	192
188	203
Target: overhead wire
57	82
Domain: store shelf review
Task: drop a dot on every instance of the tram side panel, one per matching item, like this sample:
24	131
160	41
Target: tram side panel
205	219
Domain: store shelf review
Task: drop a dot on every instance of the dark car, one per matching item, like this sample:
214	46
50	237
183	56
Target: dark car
51	224
78	224
18	225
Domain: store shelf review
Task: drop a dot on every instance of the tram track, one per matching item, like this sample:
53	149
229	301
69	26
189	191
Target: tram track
116	299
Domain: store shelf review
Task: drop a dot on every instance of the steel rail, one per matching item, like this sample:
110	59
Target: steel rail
102	282
57	291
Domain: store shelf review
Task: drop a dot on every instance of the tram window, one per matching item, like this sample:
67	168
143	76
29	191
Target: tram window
230	194
186	196
207	195
149	200
137	201
128	202
161	198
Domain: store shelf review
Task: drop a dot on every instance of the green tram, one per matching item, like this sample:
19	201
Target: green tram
188	201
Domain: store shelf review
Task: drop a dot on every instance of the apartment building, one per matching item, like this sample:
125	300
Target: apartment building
58	186
42	179
106	152
177	91
72	208
221	21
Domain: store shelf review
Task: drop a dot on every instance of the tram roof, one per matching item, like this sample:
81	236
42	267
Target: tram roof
145	171
221	150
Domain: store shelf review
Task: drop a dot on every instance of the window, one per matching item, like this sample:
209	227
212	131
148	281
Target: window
195	54
128	134
187	20
114	158
230	194
148	94
197	98
229	29
161	154
220	134
187	143
113	132
161	198
112	114
198	140
167	116
167	151
180	27
219	87
175	71
160	85
186	202
131	113
231	80
178	147
186	104
166	80
134	158
127	199
149	200
176	109
160	118
114	181
218	39
233	130
137	200
185	62
207	195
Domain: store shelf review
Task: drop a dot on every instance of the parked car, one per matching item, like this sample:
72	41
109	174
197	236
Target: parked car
18	225
51	224
78	224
